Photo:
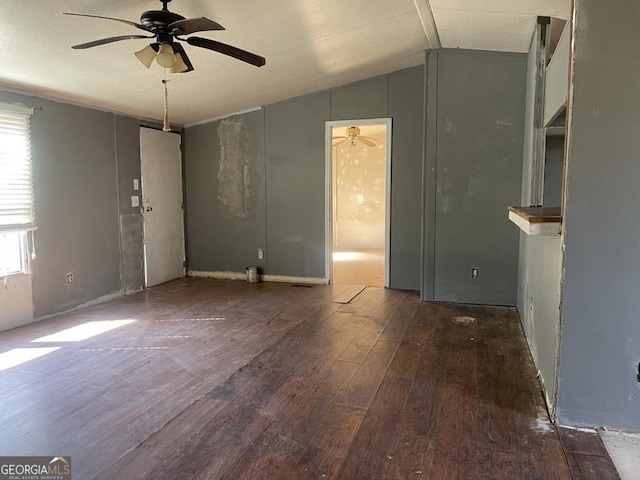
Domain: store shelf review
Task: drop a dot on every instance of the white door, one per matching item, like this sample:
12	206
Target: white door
162	206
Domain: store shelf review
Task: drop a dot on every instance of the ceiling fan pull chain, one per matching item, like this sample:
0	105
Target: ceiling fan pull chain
165	126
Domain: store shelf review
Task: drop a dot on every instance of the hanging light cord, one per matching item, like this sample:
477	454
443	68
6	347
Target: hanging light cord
165	126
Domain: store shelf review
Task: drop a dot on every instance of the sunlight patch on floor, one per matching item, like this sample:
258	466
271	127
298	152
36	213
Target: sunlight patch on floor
18	356
624	450
358	267
82	332
345	256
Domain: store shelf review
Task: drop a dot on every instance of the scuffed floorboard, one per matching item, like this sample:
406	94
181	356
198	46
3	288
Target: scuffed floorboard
346	293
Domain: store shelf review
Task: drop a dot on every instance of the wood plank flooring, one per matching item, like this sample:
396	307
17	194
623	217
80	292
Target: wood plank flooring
228	380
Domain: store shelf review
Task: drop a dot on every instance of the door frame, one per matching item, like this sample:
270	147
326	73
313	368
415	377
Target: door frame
328	189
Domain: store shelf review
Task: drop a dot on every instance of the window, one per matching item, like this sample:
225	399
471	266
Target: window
16	189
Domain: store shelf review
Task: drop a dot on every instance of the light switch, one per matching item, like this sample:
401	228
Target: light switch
135	201
136	184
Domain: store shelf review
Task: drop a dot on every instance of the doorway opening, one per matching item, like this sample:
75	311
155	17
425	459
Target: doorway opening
358	178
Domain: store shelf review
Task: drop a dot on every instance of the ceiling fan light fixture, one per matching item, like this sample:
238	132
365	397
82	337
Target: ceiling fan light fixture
166	57
179	66
146	56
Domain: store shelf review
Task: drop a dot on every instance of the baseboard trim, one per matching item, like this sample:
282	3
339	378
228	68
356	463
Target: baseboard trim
263	278
287	279
90	303
217	275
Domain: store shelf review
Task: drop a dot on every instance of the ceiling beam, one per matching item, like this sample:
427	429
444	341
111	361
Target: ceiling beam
428	23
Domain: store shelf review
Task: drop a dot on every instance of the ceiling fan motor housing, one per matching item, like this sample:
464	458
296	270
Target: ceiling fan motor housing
159	20
353	131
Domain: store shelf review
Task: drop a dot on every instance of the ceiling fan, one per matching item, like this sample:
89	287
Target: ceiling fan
353	134
167	27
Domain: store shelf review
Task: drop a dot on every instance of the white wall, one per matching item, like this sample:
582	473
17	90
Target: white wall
16	303
359	194
557	77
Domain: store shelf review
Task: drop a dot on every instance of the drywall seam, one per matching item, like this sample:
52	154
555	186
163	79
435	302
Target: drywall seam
222	117
427	289
266	187
118	207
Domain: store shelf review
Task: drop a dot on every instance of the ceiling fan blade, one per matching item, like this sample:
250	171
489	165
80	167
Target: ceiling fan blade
104	41
335	144
225	49
192	25
133	24
366	142
180	49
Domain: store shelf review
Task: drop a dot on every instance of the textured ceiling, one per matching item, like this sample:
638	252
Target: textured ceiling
309	45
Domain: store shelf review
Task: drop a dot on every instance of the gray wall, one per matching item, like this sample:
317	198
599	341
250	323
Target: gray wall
477	159
553	166
406	99
288	160
366	99
600	347
540	261
76	206
214	241
75	167
295	147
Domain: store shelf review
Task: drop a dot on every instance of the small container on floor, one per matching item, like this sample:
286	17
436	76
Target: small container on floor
252	274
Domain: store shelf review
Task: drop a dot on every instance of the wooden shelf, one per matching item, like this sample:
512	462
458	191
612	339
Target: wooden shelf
537	220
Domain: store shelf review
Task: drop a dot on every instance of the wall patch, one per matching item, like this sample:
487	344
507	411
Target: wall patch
234	179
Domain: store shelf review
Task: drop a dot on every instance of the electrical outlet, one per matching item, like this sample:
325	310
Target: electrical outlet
260	254
474	272
69	278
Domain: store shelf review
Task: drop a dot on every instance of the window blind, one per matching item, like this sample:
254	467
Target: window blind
16	185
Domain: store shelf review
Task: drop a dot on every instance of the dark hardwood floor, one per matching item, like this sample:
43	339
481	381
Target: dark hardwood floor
228	380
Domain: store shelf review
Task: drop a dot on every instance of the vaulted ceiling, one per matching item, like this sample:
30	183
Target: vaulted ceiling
310	45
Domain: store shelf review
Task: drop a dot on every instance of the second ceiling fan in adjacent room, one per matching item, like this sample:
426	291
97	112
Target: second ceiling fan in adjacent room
353	135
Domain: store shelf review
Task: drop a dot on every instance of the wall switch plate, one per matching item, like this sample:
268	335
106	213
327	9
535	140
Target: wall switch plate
260	254
69	278
135	201
474	272
136	184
